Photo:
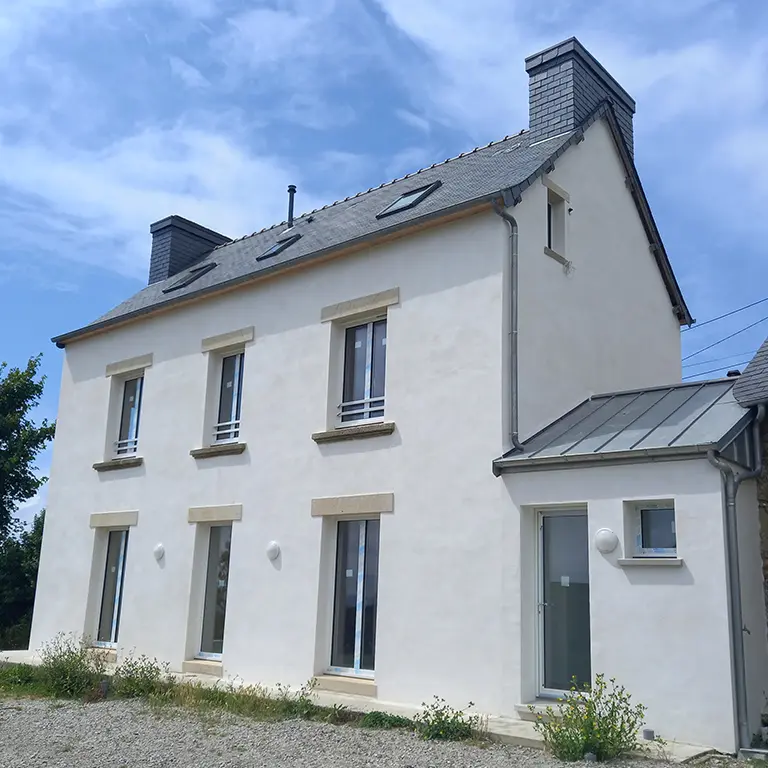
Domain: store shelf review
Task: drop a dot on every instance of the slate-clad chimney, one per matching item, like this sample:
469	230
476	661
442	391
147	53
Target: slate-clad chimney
177	243
566	84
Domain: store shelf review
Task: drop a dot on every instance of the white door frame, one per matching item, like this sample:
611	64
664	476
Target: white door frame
541	513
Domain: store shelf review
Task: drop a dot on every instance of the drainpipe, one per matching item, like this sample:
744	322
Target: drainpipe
732	479
514	420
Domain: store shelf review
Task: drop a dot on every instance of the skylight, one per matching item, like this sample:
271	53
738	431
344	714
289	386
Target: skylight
278	247
190	277
409	199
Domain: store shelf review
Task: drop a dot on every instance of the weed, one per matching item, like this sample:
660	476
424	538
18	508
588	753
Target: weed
385	721
140	677
70	668
597	719
438	720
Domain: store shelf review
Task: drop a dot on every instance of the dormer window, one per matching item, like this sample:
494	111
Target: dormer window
279	246
409	199
190	276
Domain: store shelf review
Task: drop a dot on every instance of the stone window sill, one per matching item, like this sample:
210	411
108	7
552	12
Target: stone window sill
670	562
355	432
224	449
109	655
202	667
119	463
341	684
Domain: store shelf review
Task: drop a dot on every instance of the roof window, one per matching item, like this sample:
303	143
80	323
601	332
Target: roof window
190	277
279	247
409	199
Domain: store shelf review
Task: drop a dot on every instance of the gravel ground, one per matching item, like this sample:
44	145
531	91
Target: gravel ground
120	734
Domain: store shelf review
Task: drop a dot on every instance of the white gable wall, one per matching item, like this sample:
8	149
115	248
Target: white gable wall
609	324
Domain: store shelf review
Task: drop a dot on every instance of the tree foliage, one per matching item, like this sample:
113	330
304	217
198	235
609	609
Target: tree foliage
19	558
20	439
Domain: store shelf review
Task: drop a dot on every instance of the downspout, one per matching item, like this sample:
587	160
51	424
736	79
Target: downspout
732	479
514	413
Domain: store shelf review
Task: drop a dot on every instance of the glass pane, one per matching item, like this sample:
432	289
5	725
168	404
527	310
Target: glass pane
129	415
354	367
566	601
345	597
658	528
370	594
239	385
217	577
379	358
228	389
111	598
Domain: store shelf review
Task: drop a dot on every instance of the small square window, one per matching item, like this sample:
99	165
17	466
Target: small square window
655	530
279	246
190	276
409	199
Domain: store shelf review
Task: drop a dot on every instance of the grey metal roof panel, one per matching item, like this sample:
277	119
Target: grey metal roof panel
752	386
676	417
473	176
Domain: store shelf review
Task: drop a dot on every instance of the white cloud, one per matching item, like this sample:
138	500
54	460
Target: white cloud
415	121
189	75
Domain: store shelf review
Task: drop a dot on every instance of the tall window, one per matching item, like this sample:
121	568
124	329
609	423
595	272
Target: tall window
215	600
128	437
354	612
230	398
112	594
365	359
556	206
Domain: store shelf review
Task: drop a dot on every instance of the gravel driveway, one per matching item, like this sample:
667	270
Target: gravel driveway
122	734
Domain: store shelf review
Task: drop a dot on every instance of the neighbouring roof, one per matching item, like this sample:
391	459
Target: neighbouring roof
675	421
481	175
751	387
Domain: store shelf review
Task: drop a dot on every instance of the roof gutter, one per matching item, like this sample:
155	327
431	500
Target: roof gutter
732	479
513	438
65	338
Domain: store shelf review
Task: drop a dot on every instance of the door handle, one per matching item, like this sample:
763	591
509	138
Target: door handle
542	605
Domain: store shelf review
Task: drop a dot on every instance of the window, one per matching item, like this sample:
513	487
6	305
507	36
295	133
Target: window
409	199
189	277
215	595
555	223
656	535
353	645
279	246
365	358
230	398
128	436
112	594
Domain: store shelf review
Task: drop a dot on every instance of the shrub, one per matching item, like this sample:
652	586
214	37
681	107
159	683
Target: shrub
439	720
19	675
385	721
600	719
70	668
139	676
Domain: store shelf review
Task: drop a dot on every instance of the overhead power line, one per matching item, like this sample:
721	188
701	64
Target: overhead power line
714	370
726	338
727	314
751	354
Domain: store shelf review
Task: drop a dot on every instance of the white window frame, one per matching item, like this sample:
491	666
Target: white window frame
201	654
363	407
229	431
117	607
129	445
354	671
647	506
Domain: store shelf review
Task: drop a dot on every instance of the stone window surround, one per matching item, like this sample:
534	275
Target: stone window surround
359	505
222	513
122	519
129	365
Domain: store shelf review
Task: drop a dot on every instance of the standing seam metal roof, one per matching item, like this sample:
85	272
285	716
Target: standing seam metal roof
673	418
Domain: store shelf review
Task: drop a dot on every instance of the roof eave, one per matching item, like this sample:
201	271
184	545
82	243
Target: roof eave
510	466
63	339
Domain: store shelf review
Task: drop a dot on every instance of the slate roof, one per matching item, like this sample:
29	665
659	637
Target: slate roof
472	178
751	387
674	421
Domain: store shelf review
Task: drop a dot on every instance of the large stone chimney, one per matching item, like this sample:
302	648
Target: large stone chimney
178	243
566	84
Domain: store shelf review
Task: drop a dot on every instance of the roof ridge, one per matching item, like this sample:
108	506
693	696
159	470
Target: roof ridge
372	189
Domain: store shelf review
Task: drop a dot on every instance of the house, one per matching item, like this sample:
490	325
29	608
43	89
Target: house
304	453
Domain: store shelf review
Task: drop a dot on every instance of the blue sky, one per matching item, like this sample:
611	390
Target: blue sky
116	113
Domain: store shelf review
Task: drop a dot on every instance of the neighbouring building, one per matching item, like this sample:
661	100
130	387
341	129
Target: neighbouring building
335	448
